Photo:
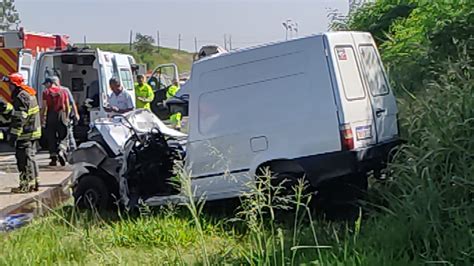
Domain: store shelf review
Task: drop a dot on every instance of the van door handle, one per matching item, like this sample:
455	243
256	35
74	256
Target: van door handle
379	112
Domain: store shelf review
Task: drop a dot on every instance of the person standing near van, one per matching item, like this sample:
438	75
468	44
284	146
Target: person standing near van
119	101
25	130
72	103
55	115
74	114
143	93
175	118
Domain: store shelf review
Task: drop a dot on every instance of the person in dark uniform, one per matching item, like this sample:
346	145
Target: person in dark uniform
25	131
55	115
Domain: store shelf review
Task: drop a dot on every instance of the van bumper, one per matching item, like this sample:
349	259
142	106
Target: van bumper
319	168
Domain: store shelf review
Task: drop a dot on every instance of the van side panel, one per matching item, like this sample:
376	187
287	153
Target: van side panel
270	91
273	102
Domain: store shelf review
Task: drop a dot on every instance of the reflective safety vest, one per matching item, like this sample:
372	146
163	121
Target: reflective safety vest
5	112
172	90
5	115
144	91
26	123
175	118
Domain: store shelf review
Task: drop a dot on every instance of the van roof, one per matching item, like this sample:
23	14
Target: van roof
205	59
79	51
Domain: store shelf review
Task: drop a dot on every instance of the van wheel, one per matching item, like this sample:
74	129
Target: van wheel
287	180
340	199
92	193
286	183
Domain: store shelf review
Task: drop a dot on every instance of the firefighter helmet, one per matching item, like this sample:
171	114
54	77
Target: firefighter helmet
16	79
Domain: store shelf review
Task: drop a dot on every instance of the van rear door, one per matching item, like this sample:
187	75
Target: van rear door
26	65
355	110
125	74
107	70
381	96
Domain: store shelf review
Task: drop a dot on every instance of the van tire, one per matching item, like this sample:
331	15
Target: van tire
288	181
340	199
92	193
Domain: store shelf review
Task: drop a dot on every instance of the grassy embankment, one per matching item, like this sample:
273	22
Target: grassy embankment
164	55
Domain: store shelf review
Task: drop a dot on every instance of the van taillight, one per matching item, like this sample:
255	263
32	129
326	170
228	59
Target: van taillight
347	138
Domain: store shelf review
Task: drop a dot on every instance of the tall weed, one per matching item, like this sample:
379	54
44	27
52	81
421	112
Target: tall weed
432	188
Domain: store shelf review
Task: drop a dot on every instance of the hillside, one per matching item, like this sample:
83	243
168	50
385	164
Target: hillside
162	56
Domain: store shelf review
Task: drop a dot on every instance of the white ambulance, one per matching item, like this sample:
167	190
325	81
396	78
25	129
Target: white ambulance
86	72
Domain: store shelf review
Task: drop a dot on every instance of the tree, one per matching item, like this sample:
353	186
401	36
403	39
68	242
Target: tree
9	16
413	38
144	43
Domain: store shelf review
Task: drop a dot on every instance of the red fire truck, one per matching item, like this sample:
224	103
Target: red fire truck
18	51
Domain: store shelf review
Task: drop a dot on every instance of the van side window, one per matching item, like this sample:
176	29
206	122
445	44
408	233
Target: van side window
127	79
373	70
349	72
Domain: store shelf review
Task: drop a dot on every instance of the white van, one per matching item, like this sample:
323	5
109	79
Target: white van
318	107
86	73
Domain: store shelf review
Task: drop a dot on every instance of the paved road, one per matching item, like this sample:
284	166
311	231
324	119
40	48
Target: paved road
8	162
53	180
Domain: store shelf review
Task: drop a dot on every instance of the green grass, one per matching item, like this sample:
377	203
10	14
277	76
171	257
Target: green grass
164	55
66	237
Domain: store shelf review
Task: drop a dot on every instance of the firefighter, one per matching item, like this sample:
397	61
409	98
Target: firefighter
175	118
143	93
25	130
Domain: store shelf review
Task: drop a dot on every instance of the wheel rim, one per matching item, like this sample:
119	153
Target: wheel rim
91	198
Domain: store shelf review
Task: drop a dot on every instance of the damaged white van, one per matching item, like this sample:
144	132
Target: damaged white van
318	108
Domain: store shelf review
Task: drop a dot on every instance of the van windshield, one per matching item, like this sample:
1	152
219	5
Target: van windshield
373	70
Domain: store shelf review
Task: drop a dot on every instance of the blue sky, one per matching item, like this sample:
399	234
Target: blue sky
248	21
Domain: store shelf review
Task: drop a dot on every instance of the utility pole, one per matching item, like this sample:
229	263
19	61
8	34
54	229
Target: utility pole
85	41
179	42
287	26
131	39
230	42
195	44
225	41
158	40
